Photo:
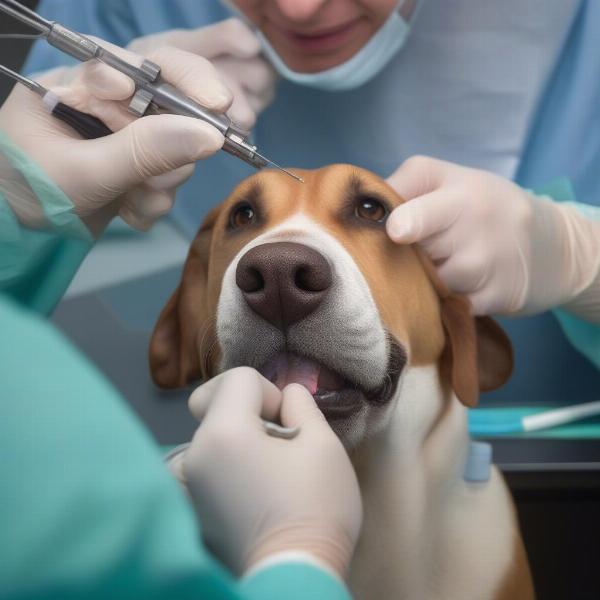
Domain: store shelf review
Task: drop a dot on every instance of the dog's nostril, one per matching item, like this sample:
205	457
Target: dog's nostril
255	281
311	278
249	279
302	278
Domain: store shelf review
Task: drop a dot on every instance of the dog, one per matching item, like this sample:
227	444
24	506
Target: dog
301	282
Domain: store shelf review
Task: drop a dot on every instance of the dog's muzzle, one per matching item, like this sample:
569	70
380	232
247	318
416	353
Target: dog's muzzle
284	283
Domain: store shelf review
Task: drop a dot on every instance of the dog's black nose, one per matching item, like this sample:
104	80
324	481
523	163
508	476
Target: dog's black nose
283	282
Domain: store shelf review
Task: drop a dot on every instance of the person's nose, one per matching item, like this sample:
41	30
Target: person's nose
283	282
299	10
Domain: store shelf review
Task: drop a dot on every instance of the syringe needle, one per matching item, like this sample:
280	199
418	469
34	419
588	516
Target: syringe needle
280	168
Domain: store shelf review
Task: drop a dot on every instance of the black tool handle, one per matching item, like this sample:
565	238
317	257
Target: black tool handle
87	126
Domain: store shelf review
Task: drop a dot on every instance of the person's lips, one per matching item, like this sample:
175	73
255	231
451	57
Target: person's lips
322	40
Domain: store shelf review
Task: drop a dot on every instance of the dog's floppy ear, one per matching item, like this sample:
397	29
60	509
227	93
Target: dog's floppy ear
173	353
478	356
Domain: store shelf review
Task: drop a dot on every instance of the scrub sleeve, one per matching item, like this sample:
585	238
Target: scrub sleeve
584	336
36	267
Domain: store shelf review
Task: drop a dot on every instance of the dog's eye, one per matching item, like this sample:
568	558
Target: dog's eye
241	215
371	210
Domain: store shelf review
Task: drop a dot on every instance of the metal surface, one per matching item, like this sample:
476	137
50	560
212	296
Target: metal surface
276	166
285	433
140	102
29	83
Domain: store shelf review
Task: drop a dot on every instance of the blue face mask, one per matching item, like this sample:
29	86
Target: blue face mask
368	62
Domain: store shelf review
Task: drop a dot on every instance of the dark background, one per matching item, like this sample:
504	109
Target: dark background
12	52
558	506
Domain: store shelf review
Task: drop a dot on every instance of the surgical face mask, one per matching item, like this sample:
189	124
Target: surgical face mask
368	62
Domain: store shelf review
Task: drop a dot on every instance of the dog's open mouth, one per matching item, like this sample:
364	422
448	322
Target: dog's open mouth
336	396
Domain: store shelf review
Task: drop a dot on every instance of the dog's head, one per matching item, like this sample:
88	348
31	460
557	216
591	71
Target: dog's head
302	282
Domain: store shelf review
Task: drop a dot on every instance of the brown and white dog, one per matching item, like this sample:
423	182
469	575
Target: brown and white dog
301	282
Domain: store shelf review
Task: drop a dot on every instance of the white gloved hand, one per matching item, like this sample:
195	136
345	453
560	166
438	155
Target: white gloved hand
507	250
234	50
257	495
136	171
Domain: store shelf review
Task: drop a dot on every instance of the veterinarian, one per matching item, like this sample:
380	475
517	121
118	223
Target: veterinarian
88	508
497	92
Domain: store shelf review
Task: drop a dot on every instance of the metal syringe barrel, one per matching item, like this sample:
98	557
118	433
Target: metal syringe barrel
151	89
168	98
72	43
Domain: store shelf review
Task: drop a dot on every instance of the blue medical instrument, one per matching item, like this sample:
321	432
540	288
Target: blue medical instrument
482	423
478	466
152	93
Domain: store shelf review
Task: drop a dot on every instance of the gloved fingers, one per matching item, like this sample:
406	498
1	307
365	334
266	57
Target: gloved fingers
175	466
61	76
113	114
251	99
255	75
485	302
230	36
466	271
240	112
439	246
194	76
422	217
152	146
258	102
172	180
147	43
241	391
147	203
299	409
488	300
418	175
106	82
143	206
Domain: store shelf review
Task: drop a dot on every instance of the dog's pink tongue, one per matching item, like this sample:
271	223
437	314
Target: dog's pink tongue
287	368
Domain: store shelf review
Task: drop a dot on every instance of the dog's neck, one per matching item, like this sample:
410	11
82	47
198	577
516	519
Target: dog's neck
427	424
408	475
427	533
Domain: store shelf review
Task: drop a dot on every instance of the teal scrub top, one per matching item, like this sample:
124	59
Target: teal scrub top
87	507
310	128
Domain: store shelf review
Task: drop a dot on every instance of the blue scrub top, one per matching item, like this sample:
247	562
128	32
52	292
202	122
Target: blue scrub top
309	128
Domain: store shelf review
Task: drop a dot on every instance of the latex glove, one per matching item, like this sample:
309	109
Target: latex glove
135	171
256	495
506	249
235	52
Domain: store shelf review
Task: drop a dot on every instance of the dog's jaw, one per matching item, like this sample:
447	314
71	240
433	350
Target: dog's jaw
345	333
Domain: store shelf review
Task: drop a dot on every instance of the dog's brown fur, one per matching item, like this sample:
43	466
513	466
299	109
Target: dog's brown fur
472	354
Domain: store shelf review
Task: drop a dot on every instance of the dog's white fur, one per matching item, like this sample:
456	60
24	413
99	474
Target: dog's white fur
428	534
